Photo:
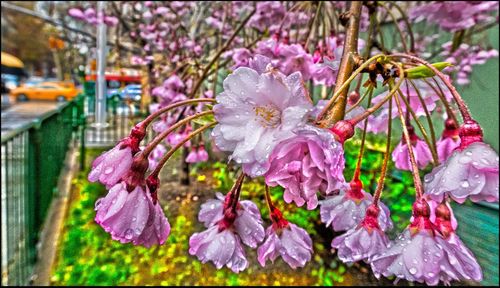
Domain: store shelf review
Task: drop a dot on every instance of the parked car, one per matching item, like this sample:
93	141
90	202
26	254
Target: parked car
59	91
132	92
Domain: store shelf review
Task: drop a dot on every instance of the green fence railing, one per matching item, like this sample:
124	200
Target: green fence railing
32	158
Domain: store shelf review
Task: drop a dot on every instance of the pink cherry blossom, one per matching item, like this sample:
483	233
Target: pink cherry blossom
347	209
252	120
422	152
132	216
469	173
292	243
112	165
310	162
222	247
192	156
363	241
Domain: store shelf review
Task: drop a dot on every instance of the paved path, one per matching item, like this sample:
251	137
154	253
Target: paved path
21	113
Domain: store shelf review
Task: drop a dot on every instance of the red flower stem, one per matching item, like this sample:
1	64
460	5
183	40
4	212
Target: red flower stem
460	102
172	128
357	171
414	167
153	116
380	184
169	154
238	184
268	200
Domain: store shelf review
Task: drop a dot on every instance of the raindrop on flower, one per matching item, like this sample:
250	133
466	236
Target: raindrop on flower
129	234
413	271
464	184
108	170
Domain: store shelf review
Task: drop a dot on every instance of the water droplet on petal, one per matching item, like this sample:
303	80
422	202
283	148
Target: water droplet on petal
464	184
485	161
108	170
413	271
128	234
464	159
468	152
134	219
98	204
430	274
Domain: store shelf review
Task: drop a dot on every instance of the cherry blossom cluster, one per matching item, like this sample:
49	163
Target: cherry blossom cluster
240	78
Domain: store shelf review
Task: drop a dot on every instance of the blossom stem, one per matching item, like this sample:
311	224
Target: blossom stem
237	185
313	24
421	128
428	116
326	111
408	26
165	133
372	110
346	66
169	154
441	96
414	168
363	137
380	184
400	32
154	115
460	102
368	91
268	200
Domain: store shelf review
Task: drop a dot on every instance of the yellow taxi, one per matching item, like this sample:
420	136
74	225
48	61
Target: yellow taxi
58	91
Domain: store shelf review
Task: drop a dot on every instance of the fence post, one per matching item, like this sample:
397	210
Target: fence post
33	191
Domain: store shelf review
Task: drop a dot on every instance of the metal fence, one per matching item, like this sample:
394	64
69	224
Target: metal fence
32	157
122	115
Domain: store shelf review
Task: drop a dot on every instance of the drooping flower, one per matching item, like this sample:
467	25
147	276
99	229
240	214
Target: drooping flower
255	112
157	227
470	172
287	240
192	157
132	216
112	165
229	223
415	255
202	153
447	144
363	241
247	223
347	209
310	162
222	247
421	151
459	261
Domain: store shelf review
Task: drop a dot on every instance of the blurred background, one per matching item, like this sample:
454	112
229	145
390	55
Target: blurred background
49	68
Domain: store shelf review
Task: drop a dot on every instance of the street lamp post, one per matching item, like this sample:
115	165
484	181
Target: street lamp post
100	103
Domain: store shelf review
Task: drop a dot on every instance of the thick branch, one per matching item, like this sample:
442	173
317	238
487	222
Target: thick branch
346	66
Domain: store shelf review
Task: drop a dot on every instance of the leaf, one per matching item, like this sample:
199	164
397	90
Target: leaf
205	119
423	71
